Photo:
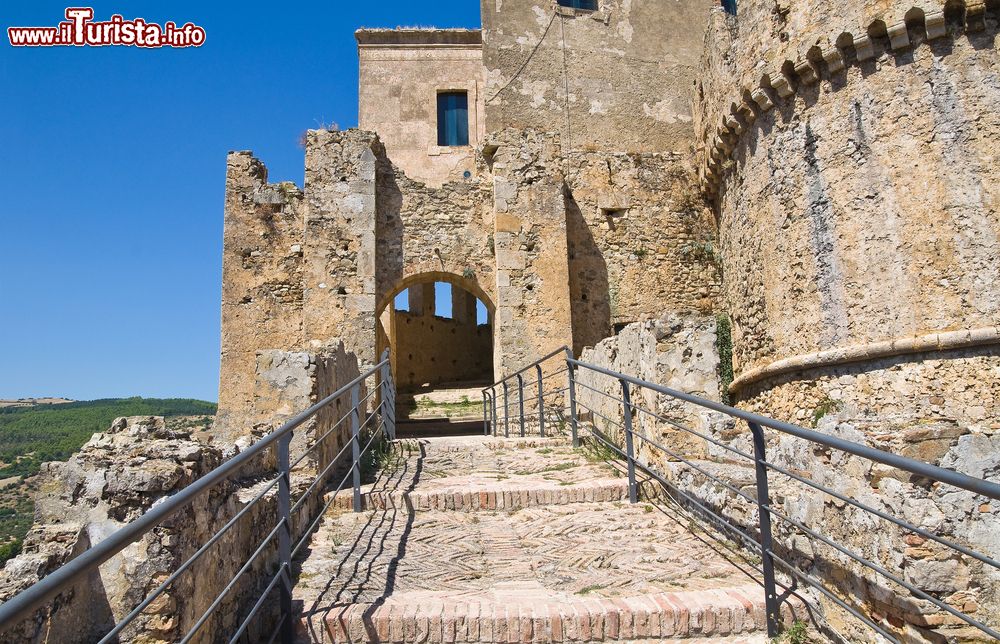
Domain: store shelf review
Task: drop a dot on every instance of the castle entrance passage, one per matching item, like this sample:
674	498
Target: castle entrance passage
439	327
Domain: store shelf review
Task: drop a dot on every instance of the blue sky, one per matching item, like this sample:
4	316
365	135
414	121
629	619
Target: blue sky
112	169
442	303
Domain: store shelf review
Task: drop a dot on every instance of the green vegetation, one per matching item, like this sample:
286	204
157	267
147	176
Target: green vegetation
825	407
461	409
586	590
597	451
30	436
797	633
724	345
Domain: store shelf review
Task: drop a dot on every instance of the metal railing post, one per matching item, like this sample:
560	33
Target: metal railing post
520	400
284	504
486	414
766	542
541	403
493	405
629	443
356	444
388	400
506	407
572	398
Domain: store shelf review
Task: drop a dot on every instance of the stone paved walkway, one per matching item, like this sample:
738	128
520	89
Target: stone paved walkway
471	539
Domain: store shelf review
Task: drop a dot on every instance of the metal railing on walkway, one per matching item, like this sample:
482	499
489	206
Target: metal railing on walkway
296	519
627	390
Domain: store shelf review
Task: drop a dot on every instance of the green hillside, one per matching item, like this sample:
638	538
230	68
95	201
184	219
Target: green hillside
30	436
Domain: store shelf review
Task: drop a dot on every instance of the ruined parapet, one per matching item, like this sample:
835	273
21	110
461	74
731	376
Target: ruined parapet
617	79
288	382
532	307
262	290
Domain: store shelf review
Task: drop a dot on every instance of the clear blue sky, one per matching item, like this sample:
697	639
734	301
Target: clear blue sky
442	303
112	168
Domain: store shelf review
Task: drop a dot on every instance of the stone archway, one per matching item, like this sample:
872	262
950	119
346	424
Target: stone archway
439	327
431	347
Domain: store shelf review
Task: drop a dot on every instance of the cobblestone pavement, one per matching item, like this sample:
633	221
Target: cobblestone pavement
484	539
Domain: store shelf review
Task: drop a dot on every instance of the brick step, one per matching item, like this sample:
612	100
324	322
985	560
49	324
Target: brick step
533	615
502	496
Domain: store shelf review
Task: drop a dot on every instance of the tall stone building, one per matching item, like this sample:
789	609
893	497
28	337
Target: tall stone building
622	175
542	166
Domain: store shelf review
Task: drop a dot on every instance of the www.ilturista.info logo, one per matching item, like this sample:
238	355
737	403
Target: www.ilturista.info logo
80	30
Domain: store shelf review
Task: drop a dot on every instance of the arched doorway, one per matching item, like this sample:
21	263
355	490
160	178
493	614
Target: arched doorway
439	327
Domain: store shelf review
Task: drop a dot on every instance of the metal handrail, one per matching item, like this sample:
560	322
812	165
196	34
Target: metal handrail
525	368
763	543
22	605
920	468
490	416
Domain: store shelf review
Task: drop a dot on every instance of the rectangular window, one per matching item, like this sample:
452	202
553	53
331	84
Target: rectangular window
590	5
453	118
729	6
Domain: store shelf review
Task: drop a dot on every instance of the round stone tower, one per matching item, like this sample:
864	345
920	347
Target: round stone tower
852	152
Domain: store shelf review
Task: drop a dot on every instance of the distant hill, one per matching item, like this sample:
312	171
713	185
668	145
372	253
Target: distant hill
32	435
32	402
52	431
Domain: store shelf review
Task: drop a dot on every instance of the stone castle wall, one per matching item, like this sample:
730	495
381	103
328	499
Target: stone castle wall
840	228
427	232
850	154
641	241
615	79
435	350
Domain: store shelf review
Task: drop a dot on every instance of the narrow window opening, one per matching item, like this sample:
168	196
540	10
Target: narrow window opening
729	6
453	119
402	301
442	300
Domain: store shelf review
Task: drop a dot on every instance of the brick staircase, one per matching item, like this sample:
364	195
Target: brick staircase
478	539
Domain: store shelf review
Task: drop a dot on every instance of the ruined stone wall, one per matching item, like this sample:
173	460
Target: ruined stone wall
401	73
121	473
262	270
641	241
533	309
615	79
